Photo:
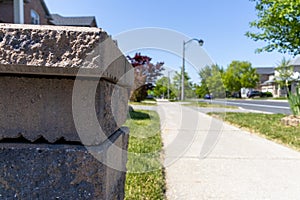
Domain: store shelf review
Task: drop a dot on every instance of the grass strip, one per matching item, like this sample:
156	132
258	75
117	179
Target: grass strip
145	178
267	125
144	103
209	105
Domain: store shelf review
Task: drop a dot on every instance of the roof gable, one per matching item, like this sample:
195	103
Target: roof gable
265	70
59	20
296	61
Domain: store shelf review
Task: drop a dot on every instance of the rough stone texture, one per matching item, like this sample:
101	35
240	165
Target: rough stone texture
35	107
116	162
44	69
43	46
42	171
291	120
116	159
63	51
115	105
64	86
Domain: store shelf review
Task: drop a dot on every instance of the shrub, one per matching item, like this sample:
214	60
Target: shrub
294	101
266	94
139	94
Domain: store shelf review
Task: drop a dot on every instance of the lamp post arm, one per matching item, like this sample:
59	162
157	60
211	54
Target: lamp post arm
194	39
183	63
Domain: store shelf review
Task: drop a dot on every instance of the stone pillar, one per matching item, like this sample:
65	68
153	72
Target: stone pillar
63	101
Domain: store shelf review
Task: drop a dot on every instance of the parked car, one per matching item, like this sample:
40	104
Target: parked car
254	94
208	96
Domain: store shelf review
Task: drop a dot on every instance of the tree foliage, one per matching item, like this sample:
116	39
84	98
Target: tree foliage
162	86
145	73
294	102
144	69
278	24
284	74
201	89
240	74
188	86
211	81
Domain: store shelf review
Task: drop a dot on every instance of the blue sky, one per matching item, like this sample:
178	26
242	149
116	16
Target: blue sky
221	24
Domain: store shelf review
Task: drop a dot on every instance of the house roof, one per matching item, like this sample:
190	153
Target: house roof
268	82
296	61
72	21
265	70
45	8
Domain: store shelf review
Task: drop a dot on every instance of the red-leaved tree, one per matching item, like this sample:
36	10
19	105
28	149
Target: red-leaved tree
145	74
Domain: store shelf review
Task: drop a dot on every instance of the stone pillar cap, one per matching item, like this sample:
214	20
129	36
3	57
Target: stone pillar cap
60	50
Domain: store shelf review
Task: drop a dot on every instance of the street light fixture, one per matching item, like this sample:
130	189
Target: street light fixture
200	42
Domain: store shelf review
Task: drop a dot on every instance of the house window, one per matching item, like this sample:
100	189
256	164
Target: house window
35	18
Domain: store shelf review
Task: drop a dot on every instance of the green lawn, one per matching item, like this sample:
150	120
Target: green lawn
267	125
144	103
209	105
279	98
145	177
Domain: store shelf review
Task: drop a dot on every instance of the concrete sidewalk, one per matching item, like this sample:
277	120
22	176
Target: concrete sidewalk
208	159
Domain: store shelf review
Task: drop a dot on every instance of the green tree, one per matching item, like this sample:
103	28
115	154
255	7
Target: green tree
162	86
285	73
188	86
211	81
240	74
201	89
278	24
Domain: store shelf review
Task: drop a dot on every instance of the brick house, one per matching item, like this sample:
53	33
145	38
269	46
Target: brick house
36	12
266	80
269	75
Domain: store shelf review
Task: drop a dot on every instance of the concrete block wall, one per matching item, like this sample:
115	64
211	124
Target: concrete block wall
63	101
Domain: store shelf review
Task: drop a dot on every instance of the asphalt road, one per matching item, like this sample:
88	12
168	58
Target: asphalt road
258	105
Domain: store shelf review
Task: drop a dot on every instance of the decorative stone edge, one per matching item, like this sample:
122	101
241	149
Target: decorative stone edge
61	50
291	120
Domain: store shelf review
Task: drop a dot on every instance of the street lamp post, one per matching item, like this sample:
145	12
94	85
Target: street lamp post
183	63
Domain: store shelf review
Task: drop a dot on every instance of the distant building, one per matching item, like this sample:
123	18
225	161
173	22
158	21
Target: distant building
296	75
36	12
269	75
296	63
265	73
59	20
267	80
